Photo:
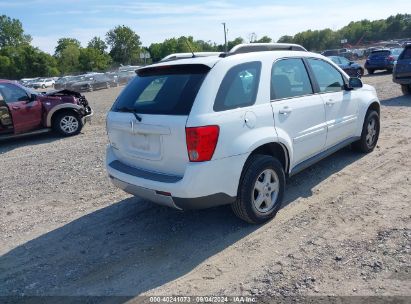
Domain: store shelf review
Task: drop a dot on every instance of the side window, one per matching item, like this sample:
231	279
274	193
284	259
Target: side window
328	78
239	87
344	61
12	93
289	78
406	54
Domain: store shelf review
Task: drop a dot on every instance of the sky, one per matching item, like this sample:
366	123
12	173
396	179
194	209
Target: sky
154	21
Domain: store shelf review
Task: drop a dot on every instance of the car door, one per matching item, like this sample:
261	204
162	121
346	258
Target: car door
297	111
341	106
26	113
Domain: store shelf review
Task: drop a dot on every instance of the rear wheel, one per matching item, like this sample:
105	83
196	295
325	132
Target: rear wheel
406	89
370	133
261	190
67	123
370	71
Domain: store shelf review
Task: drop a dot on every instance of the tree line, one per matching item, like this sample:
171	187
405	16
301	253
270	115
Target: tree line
122	46
357	33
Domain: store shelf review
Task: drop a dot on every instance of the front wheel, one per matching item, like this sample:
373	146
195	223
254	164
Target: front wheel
370	133
370	71
261	190
359	73
67	123
406	89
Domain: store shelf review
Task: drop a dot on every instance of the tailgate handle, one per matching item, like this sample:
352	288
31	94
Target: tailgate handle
150	129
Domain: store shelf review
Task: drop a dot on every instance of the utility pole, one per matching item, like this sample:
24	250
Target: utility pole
225	37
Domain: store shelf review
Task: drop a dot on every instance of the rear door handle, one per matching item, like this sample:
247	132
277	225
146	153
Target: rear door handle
15	108
285	111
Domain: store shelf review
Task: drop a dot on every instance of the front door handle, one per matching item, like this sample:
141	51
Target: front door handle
330	102
285	111
15	108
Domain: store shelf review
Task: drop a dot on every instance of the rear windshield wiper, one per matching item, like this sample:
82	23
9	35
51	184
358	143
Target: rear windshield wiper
130	110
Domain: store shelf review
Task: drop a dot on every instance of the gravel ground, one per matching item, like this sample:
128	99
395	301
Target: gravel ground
344	229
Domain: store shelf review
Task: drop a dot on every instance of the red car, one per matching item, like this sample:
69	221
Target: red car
24	111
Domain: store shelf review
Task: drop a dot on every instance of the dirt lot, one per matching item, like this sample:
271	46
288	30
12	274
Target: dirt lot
344	229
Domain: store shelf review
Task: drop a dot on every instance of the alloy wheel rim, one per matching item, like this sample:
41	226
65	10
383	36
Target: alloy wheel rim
371	132
265	192
69	124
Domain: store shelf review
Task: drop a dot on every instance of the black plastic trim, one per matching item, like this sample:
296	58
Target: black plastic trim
316	158
204	202
158	177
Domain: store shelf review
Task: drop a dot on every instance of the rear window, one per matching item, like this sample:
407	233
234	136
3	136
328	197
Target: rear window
165	90
376	54
406	54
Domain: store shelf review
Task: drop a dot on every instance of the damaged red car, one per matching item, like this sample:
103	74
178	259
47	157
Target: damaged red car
24	111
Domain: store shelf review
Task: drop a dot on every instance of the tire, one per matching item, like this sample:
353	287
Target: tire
255	205
107	85
370	71
67	123
389	70
406	89
90	88
359	73
43	86
370	133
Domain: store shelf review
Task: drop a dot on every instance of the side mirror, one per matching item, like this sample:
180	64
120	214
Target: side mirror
354	83
32	97
351	62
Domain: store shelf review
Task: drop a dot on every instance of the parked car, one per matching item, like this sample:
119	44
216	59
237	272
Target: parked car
352	68
43	83
113	78
63	82
402	70
124	77
208	131
24	111
383	59
91	82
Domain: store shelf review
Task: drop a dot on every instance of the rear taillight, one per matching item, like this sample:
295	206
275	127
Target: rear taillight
391	58
201	142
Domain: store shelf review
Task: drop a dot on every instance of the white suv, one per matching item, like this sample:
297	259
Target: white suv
229	129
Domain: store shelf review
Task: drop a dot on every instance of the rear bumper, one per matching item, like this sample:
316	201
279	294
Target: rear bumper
402	80
384	66
203	185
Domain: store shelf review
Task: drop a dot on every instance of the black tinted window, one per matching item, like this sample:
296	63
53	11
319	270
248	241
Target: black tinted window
376	54
163	90
406	54
239	87
328	78
289	78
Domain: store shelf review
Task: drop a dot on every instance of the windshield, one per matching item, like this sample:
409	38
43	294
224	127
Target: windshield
163	90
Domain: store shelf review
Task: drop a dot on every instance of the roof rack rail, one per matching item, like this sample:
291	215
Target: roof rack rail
264	47
177	56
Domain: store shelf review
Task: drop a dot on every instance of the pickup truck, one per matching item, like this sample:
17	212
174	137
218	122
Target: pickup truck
24	111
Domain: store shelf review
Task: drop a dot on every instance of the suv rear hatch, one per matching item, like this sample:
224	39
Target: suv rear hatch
379	58
146	125
403	67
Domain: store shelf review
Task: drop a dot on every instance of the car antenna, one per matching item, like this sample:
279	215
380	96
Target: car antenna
191	50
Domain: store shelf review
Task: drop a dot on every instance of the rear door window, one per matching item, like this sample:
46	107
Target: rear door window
289	78
163	90
239	87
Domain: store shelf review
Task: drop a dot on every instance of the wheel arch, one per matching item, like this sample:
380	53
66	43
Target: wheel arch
276	149
58	109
